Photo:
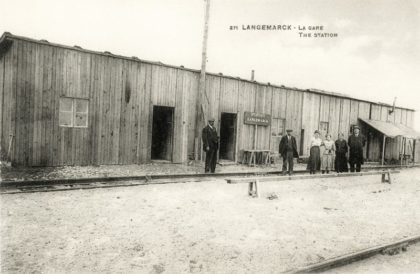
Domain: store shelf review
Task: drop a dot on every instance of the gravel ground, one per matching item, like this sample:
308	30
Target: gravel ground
406	262
209	227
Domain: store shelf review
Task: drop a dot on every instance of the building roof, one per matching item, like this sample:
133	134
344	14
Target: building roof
5	40
392	130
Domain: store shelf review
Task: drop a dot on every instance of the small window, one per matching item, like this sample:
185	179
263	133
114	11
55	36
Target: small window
277	131
73	112
278	126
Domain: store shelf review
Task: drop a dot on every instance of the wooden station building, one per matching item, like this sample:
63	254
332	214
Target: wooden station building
64	105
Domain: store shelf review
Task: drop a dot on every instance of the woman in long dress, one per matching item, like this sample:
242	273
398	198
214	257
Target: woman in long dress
340	154
327	159
314	162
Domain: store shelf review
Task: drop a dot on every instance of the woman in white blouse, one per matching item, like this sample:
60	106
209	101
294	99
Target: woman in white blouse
314	162
327	158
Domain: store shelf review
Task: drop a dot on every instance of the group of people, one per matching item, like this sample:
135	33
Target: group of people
325	155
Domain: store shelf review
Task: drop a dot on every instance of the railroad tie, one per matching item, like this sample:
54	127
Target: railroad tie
386	174
253	188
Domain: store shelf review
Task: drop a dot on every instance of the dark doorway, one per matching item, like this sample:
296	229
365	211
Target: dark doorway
162	133
227	136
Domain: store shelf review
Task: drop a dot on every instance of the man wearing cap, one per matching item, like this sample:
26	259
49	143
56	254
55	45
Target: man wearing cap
288	150
356	143
210	146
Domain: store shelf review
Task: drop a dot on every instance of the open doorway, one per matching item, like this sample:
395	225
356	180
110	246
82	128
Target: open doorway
227	136
162	133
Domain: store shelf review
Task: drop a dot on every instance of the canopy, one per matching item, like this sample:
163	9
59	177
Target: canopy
392	130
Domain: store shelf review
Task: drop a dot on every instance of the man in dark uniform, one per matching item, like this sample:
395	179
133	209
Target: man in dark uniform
210	146
356	143
288	150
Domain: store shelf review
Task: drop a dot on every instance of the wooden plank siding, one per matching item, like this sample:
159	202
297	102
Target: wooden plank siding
294	113
263	105
364	112
191	80
3	149
8	62
228	103
122	93
334	121
345	117
310	118
246	99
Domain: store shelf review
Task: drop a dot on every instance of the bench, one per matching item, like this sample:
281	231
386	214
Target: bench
253	181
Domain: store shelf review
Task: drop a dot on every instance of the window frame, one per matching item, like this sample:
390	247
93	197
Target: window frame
275	139
74	112
283	125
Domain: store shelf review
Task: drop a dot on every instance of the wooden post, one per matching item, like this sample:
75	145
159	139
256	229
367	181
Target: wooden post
255	136
252	75
383	150
8	158
400	149
202	100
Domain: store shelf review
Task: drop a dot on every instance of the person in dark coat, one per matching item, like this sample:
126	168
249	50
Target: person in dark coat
210	146
341	154
356	143
288	150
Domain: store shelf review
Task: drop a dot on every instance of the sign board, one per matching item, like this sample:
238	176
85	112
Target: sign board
260	119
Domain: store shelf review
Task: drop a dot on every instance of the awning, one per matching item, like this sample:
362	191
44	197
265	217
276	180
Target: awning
392	130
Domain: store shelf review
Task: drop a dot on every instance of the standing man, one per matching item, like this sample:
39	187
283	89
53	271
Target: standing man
210	146
288	150
356	143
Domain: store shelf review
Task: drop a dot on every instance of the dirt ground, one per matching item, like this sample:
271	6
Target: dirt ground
208	227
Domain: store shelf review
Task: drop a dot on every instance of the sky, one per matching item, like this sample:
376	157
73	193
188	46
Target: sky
374	56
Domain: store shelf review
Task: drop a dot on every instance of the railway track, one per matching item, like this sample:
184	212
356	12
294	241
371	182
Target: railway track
386	249
30	186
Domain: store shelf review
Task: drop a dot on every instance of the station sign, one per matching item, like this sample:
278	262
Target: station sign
260	119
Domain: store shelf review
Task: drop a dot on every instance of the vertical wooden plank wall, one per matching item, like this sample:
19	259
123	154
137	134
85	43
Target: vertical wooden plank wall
246	97
121	95
144	85
193	80
8	62
213	87
228	102
344	126
375	112
334	117
410	119
181	118
294	113
263	105
310	118
364	112
3	149
376	138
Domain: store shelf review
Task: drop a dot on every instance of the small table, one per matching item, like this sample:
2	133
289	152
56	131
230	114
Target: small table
250	156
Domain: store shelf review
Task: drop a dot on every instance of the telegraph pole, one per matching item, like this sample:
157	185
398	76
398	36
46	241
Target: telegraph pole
202	100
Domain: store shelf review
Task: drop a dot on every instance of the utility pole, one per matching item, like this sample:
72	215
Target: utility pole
202	100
